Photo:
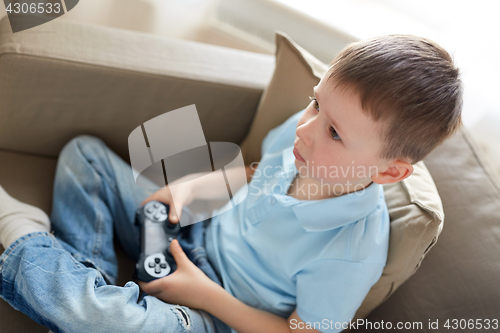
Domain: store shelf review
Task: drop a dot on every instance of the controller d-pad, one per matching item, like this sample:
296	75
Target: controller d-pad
156	265
155	211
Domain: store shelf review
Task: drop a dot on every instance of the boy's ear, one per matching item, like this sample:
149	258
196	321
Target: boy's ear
396	171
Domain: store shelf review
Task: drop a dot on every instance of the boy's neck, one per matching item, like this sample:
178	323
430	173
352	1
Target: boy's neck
299	189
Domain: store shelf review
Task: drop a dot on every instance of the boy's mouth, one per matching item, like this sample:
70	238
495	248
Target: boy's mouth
297	155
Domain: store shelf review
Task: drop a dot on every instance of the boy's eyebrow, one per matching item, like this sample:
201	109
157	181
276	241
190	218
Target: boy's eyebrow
339	131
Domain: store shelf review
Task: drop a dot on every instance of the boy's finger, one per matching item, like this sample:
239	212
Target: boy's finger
151	288
151	197
172	216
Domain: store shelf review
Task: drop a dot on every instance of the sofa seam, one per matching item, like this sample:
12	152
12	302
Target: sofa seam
485	167
136	70
12	151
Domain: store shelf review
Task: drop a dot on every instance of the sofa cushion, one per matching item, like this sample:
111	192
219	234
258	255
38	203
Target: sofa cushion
29	178
414	204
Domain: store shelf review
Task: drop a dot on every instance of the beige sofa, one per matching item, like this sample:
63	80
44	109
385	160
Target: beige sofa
68	79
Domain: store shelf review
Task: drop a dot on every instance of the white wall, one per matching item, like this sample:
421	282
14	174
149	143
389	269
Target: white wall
172	18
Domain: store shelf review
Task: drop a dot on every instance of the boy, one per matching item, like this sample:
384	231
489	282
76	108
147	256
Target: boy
302	250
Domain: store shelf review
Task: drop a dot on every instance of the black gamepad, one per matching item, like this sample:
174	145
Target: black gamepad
155	260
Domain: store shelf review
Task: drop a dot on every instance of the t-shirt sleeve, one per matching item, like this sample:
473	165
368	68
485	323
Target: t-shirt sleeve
330	291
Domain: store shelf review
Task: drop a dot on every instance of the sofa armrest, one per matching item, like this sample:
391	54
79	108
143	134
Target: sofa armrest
65	78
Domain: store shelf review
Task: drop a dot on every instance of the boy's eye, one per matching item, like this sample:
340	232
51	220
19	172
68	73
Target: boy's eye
316	105
333	132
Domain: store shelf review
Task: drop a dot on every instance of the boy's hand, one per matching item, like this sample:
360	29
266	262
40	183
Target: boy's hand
188	285
183	198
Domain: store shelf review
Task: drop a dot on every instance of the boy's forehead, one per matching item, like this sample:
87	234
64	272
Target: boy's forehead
345	110
331	83
327	87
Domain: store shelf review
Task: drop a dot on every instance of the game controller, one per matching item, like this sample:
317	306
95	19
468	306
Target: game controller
155	260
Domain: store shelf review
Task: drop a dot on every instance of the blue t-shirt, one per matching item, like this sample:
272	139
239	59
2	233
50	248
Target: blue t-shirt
276	253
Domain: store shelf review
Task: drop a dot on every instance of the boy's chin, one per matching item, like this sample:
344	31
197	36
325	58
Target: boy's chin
302	172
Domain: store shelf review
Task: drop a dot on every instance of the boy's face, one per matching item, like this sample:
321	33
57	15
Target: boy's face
338	142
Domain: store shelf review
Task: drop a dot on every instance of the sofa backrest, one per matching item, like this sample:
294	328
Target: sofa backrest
64	78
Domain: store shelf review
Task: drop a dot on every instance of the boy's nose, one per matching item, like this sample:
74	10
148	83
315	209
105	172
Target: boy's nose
303	133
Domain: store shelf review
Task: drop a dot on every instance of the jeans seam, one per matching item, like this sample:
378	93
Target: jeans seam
76	263
31	235
101	177
111	181
95	196
98	168
99	221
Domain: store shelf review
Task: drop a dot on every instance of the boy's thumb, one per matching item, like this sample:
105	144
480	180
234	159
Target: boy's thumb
173	217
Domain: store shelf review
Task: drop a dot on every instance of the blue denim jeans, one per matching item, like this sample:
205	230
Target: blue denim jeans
65	280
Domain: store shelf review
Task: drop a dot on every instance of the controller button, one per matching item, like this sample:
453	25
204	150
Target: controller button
152	265
157	260
157	270
163	265
156	205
